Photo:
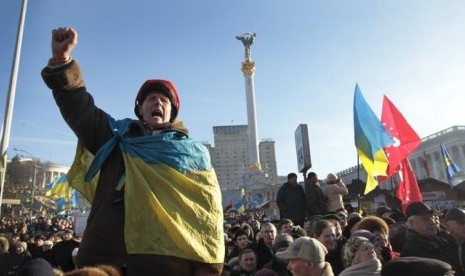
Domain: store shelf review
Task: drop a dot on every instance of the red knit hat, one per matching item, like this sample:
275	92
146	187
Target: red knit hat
164	86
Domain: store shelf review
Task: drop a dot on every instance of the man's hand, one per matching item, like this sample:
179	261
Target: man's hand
63	42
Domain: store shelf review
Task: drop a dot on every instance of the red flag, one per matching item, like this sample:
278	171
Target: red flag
406	139
408	190
425	164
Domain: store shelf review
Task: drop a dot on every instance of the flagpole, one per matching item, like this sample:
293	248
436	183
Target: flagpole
10	100
358	182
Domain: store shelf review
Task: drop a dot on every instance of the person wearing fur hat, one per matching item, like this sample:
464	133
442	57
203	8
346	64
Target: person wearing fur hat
156	201
359	257
378	227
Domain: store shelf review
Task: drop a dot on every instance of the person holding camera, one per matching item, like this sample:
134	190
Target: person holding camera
334	192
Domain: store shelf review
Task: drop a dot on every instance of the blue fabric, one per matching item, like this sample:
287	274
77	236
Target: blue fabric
451	167
170	148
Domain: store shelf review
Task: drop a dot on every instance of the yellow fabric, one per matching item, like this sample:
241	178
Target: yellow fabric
78	170
171	213
376	167
166	212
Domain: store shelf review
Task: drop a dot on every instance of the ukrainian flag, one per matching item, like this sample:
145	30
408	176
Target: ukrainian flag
239	205
61	192
370	139
59	188
451	167
172	197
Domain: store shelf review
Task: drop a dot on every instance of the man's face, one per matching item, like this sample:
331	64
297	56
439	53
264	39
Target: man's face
242	241
457	230
298	267
293	180
248	261
424	225
342	220
39	242
287	227
67	236
313	179
156	109
255	225
268	233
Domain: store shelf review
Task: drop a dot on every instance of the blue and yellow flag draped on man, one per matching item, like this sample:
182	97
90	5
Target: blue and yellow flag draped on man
171	194
370	139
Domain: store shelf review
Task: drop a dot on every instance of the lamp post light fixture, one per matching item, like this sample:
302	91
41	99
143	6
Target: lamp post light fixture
34	178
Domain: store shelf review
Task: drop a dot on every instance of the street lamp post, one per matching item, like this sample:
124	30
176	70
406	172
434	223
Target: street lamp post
34	177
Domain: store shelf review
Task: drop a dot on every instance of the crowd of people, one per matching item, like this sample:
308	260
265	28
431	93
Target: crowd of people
317	235
156	206
421	241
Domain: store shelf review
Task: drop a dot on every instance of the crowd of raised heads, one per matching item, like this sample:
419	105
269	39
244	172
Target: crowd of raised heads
419	241
340	241
42	246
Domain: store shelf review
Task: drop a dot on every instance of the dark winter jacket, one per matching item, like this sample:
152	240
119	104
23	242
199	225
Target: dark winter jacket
315	200
264	253
419	246
291	202
452	253
61	255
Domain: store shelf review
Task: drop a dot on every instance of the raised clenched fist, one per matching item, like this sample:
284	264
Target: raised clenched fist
63	42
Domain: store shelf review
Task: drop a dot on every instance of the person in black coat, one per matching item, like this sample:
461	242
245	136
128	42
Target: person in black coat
264	247
62	252
314	196
422	238
291	200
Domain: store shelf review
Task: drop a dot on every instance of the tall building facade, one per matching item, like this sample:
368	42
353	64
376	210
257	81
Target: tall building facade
231	160
268	159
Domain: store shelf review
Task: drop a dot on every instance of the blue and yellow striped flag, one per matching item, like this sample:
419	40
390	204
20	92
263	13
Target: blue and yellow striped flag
370	139
239	205
61	192
451	167
57	189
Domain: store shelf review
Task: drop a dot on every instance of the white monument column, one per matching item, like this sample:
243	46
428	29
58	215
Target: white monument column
248	69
